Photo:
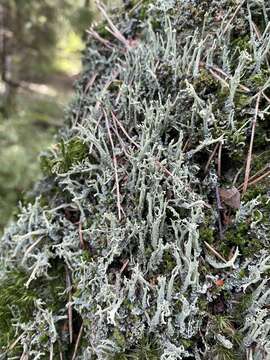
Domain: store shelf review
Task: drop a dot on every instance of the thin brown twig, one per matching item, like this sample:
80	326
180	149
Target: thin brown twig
119	138
214	70
81	235
233	16
219	209
124	130
253	177
119	207
224	82
166	171
96	127
113	29
266	97
77	343
213	153
219	160
90	83
103	41
249	156
209	247
106	86
15	342
70	320
260	178
124	266
186	145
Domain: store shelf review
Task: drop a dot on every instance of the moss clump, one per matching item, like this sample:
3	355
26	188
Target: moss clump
14	297
65	156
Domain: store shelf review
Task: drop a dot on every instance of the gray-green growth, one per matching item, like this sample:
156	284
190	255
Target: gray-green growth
125	227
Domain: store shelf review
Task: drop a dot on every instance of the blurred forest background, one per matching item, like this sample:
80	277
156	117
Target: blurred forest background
40	57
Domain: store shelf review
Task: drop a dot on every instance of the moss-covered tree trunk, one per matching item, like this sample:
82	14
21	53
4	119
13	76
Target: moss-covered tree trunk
149	235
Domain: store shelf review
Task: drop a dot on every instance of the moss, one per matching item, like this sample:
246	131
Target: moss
205	81
168	261
67	154
14	294
207	234
241	42
221	353
224	324
119	338
259	79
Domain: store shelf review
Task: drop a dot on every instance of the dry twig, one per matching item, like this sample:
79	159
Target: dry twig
233	16
213	153
77	343
70	320
209	247
248	163
219	159
119	207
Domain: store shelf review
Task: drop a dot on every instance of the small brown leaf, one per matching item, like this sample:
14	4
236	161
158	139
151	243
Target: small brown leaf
219	282
230	197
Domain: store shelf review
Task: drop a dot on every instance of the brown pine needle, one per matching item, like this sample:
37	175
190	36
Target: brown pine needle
124	131
219	160
209	247
249	156
113	29
70	320
213	153
233	16
81	235
12	346
119	207
259	175
215	71
124	266
96	36
259	178
77	343
90	82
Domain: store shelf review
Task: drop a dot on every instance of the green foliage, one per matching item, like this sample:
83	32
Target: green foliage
67	154
14	297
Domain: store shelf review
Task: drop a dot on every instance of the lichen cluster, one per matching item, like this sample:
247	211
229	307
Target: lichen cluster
137	244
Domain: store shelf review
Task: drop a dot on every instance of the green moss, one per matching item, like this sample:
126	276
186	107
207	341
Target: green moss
224	324
168	261
74	151
67	154
241	42
205	81
207	234
14	294
119	338
222	353
259	79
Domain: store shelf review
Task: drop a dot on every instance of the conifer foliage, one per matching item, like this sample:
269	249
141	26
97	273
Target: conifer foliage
149	235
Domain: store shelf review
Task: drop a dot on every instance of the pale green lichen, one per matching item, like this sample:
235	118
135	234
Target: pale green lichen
118	230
